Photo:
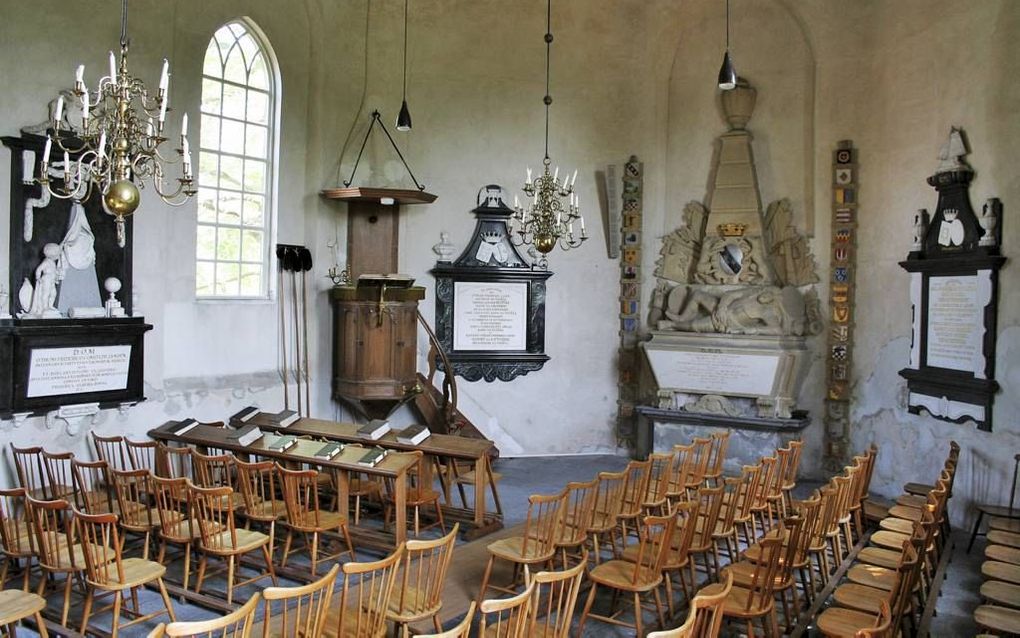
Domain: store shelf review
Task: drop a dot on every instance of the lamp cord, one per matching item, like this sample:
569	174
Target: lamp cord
547	100
404	96
123	24
727	26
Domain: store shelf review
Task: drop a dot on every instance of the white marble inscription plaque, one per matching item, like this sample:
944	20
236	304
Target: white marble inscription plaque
955	321
490	316
55	371
706	372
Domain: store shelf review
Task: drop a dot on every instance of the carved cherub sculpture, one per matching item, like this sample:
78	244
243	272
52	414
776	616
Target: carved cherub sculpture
44	293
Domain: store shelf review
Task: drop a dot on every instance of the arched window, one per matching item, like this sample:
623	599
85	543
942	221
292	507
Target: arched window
236	172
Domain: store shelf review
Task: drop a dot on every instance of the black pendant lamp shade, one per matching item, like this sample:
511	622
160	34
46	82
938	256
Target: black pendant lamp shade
727	74
404	117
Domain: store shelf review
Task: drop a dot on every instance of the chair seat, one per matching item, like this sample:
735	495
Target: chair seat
512	549
16	604
912	500
408	605
137	571
625	575
881	557
889	540
907	513
19	536
753	553
1001	571
264	510
1004	524
872	576
898	525
996	618
861	597
350	627
327	520
602	522
736	603
247	540
1003	554
179	519
743	575
917	489
999	537
839	621
1001	593
69	559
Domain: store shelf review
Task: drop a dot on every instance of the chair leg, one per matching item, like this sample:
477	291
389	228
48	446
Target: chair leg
347	537
485	578
67	599
269	565
87	610
201	574
314	551
587	609
439	515
40	625
230	579
637	613
166	600
117	597
658	608
187	565
286	547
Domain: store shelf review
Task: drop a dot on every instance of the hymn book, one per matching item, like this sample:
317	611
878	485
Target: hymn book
246	435
372	457
185	426
283	418
328	451
374	429
281	443
414	435
245	414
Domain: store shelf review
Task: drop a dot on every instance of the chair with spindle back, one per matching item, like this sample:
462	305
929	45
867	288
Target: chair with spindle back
759	496
28	464
16	536
16	605
682	467
757	602
678	557
258	483
237	624
700	458
703	543
716	457
364	598
294	612
93	489
111	449
304	516
221	539
792	470
419	589
705	616
217	470
605	508
554	599
177	524
639	577
726	528
659	473
134	493
142	455
418	494
56	546
460	630
174	462
820	543
634	489
506	617
106	570
59	476
743	517
791	533
578	511
537	544
774	495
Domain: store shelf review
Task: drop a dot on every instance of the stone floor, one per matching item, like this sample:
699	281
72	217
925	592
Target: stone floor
525	476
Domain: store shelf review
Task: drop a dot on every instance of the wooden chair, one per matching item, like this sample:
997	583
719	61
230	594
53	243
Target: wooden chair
133	492
705	616
174	462
634	489
703	543
461	630
682	468
111	449
421	580
882	628
819	544
996	592
28	464
553	600
419	495
700	458
93	490
237	624
142	455
725	530
743	518
758	600
659	473
59	476
578	512
789	533
177	524
364	599
759	496
293	612
16	605
678	557
217	470
16	541
56	546
605	510
221	539
304	516
258	483
1005	517
537	545
774	495
106	570
1002	620
792	470
506	617
639	577
716	457
1001	571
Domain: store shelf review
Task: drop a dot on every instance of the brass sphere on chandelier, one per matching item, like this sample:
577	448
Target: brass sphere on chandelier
122	198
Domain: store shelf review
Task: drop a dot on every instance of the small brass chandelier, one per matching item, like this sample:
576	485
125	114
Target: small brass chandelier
548	220
117	149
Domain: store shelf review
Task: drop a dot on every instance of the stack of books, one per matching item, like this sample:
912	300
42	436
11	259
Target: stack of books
414	435
328	451
374	429
372	457
245	415
281	443
246	435
281	419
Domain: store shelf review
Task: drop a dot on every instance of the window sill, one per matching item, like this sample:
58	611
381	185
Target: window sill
216	301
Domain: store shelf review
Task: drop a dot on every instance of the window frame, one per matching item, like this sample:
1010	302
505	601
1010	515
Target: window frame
274	92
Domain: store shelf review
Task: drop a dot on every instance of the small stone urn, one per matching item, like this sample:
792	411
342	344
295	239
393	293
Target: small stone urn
738	104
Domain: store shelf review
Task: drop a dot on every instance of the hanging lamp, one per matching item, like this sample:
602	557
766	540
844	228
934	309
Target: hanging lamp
727	74
404	117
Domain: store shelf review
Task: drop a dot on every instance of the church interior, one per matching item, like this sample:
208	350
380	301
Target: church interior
362	318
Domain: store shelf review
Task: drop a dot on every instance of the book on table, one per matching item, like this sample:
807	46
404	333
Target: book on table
372	457
328	451
413	435
374	429
246	414
281	443
283	418
183	427
246	435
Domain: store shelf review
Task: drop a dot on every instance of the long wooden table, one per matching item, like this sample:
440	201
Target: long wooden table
393	466
445	448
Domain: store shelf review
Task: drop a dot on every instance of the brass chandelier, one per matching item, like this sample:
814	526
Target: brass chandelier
548	220
117	149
